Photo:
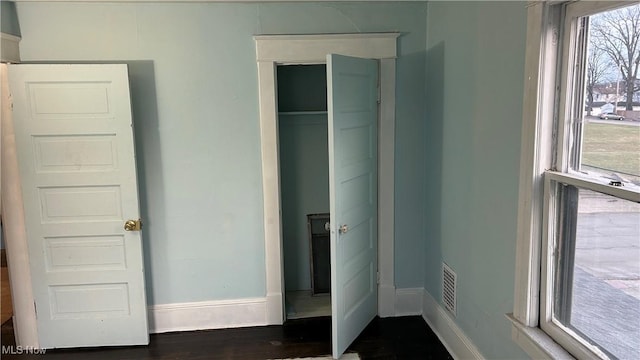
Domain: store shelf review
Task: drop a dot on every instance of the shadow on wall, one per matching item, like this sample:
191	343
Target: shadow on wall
434	186
144	106
9	23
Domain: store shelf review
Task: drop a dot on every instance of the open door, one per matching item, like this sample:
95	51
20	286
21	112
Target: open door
352	87
74	141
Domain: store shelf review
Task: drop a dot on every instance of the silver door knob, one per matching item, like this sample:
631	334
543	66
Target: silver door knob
343	229
327	226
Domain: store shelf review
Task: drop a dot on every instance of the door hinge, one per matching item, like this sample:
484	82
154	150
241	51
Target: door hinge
35	309
377	277
379	94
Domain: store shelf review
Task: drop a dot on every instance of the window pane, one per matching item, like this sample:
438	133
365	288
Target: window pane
611	132
598	279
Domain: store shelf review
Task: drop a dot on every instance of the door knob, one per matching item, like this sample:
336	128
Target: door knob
343	229
327	226
133	225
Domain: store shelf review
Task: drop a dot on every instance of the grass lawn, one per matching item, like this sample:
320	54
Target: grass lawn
613	147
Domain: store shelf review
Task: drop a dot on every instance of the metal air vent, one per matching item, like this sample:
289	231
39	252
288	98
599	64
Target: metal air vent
449	279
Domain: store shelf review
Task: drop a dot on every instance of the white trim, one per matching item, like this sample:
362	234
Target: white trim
451	336
275	306
277	49
386	186
386	291
629	192
535	342
9	48
223	314
535	156
203	315
408	301
302	49
585	8
271	187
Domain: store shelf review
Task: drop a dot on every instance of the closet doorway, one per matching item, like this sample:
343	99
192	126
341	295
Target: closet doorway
354	183
304	183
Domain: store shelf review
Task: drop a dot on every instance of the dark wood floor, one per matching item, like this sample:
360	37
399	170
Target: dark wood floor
391	338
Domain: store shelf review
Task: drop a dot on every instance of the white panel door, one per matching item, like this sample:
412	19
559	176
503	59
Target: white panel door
74	141
352	106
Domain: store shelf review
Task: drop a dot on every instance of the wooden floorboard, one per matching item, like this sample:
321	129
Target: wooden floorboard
6	307
389	338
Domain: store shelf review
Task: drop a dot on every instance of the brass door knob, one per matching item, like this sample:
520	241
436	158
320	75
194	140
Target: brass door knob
133	225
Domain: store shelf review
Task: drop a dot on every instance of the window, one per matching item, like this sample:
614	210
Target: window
578	262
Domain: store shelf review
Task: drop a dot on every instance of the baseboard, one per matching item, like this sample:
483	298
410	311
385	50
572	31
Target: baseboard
223	314
453	338
205	315
275	312
9	48
408	301
386	300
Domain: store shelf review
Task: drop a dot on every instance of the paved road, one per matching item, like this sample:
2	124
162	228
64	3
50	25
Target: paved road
608	247
596	120
606	292
606	315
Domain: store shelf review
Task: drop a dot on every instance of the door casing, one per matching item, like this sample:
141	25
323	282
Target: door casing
274	50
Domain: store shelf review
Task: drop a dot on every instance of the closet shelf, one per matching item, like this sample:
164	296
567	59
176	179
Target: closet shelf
302	113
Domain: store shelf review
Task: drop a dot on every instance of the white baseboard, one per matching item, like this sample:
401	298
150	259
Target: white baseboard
408	301
10	49
386	301
219	314
274	309
453	338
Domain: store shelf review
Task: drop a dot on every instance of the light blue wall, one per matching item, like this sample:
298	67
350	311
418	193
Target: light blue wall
194	89
9	18
304	169
475	68
195	103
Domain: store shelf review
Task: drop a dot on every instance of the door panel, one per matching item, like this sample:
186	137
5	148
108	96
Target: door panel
352	106
74	141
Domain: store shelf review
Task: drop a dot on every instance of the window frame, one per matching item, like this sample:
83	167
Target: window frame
545	162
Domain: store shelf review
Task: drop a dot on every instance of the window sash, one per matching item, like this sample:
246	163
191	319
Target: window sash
627	192
553	223
573	66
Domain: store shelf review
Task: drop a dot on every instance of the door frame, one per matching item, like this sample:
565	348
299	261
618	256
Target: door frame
274	50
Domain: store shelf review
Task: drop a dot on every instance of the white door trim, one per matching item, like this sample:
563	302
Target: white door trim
272	50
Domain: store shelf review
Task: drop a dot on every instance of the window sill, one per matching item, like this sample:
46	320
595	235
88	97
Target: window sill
536	342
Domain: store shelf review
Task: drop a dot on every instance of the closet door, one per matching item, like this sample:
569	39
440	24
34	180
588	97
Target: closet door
352	88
